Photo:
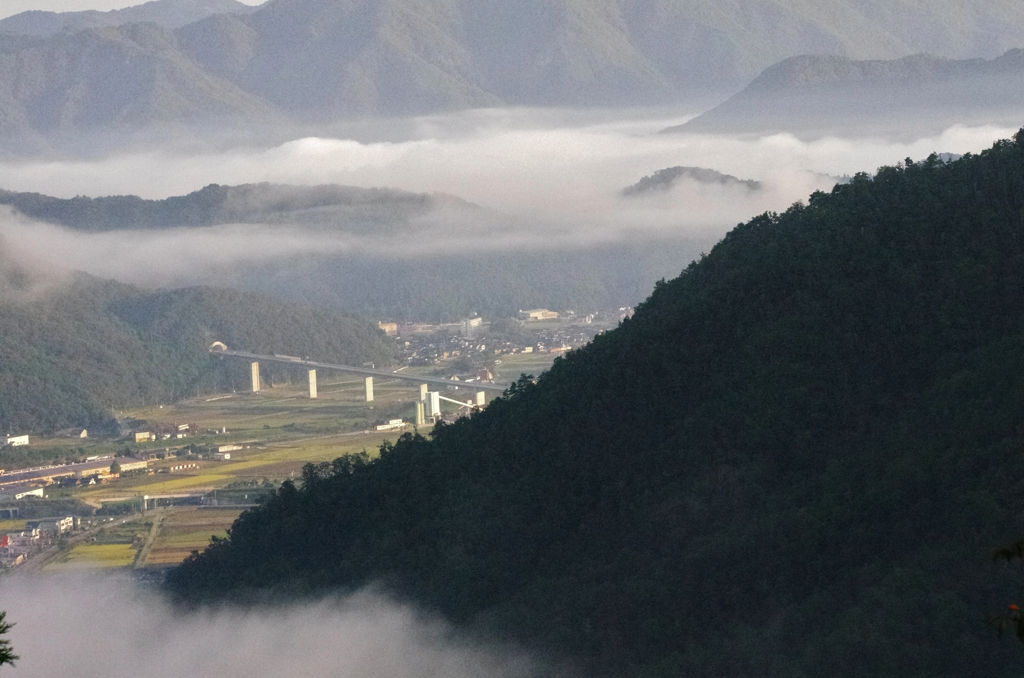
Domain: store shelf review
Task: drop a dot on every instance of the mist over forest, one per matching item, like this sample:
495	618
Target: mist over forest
794	458
536	198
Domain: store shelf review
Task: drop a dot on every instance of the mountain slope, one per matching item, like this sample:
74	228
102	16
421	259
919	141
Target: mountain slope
321	59
337	207
166	13
394	56
663	180
810	95
793	460
70	354
364	251
112	79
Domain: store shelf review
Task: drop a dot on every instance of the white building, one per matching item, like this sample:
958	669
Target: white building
52	525
17	441
393	425
19	492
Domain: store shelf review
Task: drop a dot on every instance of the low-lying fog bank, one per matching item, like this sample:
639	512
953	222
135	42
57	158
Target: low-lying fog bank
538	181
109	628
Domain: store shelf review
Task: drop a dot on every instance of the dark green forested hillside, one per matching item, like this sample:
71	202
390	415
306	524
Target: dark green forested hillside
794	460
72	353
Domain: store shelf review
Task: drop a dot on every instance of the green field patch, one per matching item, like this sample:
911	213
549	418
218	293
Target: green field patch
11	526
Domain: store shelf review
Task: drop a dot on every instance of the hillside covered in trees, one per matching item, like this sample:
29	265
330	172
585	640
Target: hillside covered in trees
73	353
794	460
380	276
322	60
330	206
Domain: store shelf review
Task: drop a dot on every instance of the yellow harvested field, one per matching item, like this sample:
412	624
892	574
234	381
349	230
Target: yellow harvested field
187	530
280	460
183	483
94	557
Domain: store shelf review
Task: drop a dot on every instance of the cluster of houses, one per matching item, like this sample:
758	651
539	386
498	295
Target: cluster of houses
29	482
166	432
16	547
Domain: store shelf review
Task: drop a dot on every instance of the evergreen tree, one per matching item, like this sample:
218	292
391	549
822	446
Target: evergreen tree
7	655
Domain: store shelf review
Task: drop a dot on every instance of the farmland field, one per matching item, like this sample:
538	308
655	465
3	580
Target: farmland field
525	363
186	529
94	557
276	432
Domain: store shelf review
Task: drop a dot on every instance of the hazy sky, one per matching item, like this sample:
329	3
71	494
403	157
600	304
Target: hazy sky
9	7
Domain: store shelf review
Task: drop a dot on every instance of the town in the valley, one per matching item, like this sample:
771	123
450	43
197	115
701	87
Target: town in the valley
173	475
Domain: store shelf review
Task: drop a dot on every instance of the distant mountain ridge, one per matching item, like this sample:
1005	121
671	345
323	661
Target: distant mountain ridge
166	13
338	207
377	279
316	60
818	93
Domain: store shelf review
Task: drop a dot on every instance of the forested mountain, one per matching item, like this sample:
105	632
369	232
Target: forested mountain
384	267
111	81
663	180
343	208
495	284
793	460
166	13
814	95
72	353
316	60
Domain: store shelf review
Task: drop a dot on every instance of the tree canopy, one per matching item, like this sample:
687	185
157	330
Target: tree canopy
791	461
7	655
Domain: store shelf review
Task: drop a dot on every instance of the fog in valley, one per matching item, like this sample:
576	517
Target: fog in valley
109	628
514	180
473	190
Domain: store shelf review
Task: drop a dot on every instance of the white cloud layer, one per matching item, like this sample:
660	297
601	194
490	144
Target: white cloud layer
545	179
107	628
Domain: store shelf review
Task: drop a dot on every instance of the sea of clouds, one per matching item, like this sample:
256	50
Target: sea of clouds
542	180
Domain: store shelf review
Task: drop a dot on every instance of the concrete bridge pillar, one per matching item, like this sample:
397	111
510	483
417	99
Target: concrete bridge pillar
369	389
312	384
255	377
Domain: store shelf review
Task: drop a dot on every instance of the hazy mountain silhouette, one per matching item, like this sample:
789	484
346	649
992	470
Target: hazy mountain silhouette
340	208
111	79
166	13
322	59
810	95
